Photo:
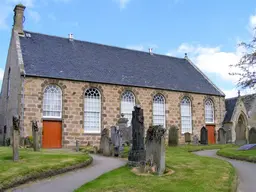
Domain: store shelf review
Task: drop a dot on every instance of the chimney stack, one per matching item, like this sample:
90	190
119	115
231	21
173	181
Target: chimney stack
150	51
19	18
71	37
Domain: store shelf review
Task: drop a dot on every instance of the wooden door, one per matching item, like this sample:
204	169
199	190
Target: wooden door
211	134
52	134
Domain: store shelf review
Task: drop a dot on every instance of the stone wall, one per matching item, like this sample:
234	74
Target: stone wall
73	104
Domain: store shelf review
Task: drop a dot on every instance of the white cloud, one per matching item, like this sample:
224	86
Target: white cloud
252	22
34	15
234	92
211	59
1	74
136	47
122	3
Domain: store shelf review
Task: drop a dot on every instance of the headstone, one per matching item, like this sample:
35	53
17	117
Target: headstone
35	131
252	135
117	142
137	152
195	140
4	137
15	137
173	136
125	131
221	136
105	143
247	147
187	137
155	147
77	146
204	136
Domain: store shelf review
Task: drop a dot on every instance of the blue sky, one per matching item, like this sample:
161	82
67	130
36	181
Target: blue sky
207	30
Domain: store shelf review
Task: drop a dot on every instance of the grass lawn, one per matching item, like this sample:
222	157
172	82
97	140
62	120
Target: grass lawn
192	173
192	148
34	163
233	153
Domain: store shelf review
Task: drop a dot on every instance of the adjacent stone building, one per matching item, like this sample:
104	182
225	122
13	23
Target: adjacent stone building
239	118
76	88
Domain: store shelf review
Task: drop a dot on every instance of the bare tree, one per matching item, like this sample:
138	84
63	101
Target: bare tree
247	65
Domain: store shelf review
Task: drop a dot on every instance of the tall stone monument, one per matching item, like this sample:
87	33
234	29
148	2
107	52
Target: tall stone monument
15	137
125	131
137	153
35	135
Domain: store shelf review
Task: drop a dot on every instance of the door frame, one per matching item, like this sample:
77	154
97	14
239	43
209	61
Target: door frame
214	125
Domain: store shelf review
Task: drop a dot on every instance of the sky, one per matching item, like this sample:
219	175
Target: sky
209	31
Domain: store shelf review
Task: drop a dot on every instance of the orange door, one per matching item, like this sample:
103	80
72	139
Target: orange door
211	135
52	134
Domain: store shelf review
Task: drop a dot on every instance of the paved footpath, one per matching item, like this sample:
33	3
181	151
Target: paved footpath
70	181
246	171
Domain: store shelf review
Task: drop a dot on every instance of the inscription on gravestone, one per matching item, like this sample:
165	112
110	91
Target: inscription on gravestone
204	136
137	153
173	136
117	142
187	137
105	144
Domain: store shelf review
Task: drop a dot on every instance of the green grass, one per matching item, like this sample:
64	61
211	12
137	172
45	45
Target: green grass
233	153
192	173
33	163
192	148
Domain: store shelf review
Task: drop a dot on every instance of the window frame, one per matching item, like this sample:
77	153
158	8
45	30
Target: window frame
122	105
153	109
61	103
99	112
190	115
213	117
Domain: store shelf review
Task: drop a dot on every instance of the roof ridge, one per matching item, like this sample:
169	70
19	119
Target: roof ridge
100	44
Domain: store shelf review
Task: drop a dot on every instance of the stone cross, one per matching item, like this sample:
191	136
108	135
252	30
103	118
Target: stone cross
204	136
137	152
252	135
35	131
15	137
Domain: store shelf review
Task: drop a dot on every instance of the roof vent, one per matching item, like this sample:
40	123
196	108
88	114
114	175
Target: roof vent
71	37
28	35
150	51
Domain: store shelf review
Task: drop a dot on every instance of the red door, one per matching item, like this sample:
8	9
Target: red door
52	134
211	134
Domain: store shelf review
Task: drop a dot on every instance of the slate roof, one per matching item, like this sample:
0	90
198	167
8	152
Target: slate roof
57	57
230	106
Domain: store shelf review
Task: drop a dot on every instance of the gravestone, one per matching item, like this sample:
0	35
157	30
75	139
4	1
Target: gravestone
77	146
252	135
105	143
125	131
117	142
204	136
221	136
247	147
195	140
15	137
187	137
173	136
4	137
155	148
137	153
35	135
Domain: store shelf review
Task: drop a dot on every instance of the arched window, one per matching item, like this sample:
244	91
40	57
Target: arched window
92	111
186	118
209	111
159	110
127	105
52	103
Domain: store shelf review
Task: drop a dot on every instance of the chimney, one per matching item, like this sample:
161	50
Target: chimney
150	51
186	56
71	37
19	18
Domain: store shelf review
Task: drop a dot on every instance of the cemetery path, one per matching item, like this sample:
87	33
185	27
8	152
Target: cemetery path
70	181
246	171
